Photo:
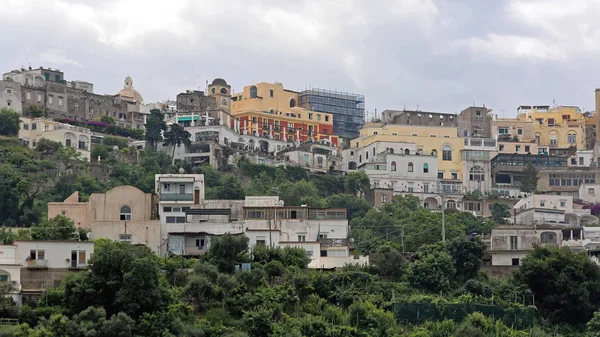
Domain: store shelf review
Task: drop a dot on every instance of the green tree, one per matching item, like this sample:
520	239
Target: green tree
500	211
107	119
354	206
155	126
231	189
388	262
58	228
467	254
47	146
566	285
301	193
109	141
593	326
99	151
35	111
175	136
9	122
227	250
529	179
357	182
433	271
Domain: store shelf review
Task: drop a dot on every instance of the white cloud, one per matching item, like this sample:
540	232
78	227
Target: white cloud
56	57
507	47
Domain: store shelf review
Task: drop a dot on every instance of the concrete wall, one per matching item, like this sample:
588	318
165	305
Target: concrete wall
142	232
56	252
589	193
72	208
11	96
474	119
527	237
107	206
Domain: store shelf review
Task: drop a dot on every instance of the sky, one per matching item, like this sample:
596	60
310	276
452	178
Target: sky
434	55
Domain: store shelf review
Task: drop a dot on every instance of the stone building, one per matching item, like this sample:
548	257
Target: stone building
475	122
195	102
10	95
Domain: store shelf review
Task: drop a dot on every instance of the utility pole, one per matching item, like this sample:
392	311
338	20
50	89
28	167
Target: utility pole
442	191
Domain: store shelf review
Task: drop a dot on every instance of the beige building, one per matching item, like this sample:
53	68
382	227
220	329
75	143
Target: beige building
34	129
124	213
510	244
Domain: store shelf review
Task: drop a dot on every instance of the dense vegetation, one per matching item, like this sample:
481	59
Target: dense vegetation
129	291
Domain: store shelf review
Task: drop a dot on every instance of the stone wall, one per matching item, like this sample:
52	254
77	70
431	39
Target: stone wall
32	279
195	101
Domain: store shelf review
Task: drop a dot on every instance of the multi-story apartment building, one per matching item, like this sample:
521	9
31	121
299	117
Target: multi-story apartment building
510	244
556	127
475	122
476	161
10	95
557	210
34	129
268	110
314	156
347	109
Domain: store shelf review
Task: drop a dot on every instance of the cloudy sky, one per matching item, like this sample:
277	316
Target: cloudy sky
439	55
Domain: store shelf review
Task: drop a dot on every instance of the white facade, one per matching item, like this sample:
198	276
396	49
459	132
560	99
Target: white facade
555	202
582	158
34	129
54	254
509	244
589	193
354	158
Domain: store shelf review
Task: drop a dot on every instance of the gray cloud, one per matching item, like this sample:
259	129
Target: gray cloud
438	54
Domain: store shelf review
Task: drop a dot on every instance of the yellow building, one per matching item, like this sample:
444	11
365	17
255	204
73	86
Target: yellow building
269	110
514	135
440	140
559	127
34	129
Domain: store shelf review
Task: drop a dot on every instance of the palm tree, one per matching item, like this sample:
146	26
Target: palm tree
175	136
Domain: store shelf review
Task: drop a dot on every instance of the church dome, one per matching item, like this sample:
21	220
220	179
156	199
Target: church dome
219	81
130	94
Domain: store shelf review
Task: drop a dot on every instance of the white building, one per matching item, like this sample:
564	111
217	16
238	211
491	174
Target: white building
34	129
476	162
314	156
509	244
582	158
354	158
590	193
551	209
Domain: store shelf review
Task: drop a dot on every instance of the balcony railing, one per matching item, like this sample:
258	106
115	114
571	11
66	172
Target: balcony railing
37	264
334	242
177	197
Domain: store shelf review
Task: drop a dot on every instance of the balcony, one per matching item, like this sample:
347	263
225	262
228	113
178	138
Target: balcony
177	197
334	242
37	264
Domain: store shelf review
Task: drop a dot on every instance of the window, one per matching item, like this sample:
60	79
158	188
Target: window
414	135
33	126
28	95
310	115
253	91
393	166
82	145
573	161
271	93
181	189
327	118
501	147
63	213
39	98
50	99
454	175
60	101
8	102
572	138
301	238
166	187
125	213
383	198
591	191
581	162
167	209
261	240
425	168
411	187
175	219
518	148
563	203
425	188
537	139
515	262
76	104
477	113
125	238
527	147
446	153
440	175
550	121
503	130
292	103
519	131
514	243
37	254
476	173
542	203
318	117
25	126
553	141
410	167
8	91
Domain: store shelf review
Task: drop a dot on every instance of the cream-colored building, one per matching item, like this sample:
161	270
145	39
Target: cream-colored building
124	213
441	141
34	129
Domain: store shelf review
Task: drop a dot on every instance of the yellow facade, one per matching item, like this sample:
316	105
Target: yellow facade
276	100
32	130
428	139
559	127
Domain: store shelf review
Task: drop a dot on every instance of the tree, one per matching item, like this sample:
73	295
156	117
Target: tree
566	285
529	179
35	111
47	146
107	119
388	262
155	126
357	182
121	143
593	326
227	250
500	211
467	254
355	207
175	136
301	193
58	228
231	189
9	122
99	151
432	271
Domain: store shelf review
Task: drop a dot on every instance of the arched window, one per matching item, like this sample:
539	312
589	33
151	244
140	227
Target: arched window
410	167
425	168
213	90
125	213
391	150
367	155
70	139
373	152
548	237
553	139
572	138
253	91
476	173
446	153
224	90
292	103
451	204
537	137
393	166
351	165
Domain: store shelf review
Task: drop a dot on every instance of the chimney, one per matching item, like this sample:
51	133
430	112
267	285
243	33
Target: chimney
597	99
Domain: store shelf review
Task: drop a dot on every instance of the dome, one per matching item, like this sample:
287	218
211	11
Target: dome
220	81
130	94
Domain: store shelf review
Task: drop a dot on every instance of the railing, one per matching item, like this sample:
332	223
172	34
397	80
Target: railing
177	197
37	264
334	242
9	321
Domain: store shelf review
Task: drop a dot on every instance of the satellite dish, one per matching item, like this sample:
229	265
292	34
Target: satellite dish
115	148
89	235
351	240
181	170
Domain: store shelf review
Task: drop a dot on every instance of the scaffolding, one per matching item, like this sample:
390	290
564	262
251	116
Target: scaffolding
348	109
